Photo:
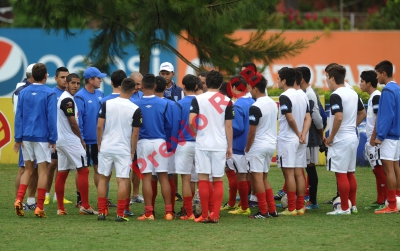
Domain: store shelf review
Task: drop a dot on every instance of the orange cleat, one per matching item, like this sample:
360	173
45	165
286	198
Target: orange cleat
19	210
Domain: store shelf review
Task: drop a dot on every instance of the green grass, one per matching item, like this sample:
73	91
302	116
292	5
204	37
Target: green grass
315	230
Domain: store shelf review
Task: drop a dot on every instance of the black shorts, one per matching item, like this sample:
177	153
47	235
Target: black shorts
91	152
54	155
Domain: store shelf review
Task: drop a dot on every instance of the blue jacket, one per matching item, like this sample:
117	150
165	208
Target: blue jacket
388	120
176	92
240	124
36	115
136	96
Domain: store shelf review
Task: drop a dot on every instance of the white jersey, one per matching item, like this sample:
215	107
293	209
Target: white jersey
263	114
291	101
373	106
345	100
66	107
120	115
213	109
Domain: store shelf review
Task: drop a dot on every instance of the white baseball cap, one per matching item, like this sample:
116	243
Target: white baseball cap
166	66
29	68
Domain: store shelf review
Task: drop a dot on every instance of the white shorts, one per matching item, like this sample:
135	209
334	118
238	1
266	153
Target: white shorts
71	157
38	151
259	160
122	164
210	162
389	149
286	156
151	156
301	156
238	163
372	154
312	155
184	158
342	156
171	164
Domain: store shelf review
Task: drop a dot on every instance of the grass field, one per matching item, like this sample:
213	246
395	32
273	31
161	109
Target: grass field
313	231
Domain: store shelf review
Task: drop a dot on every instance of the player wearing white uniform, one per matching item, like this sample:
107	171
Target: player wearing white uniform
117	136
260	146
293	128
211	114
346	108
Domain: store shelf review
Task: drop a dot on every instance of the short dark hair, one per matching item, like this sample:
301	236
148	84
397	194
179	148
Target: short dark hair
305	71
161	84
370	77
61	69
385	66
190	82
39	72
200	85
71	76
223	89
250	65
148	81
289	74
329	66
117	77
203	73
261	85
127	85
299	76
338	72
214	79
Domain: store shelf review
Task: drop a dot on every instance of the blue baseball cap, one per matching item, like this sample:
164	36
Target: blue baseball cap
92	72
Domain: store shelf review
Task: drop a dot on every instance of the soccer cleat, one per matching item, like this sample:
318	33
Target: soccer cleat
78	204
306	199
144	217
253	203
240	211
228	207
279	194
18	208
354	210
88	211
331	201
121	219
61	212
311	206
387	210
182	212
110	204
65	200
301	211
30	207
169	216
340	212
40	213
200	219
259	215
373	205
380	207
289	213
47	200
101	217
136	199
178	197
185	217
274	214
128	213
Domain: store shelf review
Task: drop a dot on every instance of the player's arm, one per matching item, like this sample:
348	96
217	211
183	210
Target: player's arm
194	112
238	121
337	112
361	113
136	124
375	108
52	120
386	114
286	110
254	118
18	127
100	124
229	116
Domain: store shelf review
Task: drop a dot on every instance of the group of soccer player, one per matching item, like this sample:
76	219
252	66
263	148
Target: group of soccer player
151	129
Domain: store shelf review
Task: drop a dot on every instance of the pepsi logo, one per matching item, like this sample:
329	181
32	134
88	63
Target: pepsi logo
13	64
5	131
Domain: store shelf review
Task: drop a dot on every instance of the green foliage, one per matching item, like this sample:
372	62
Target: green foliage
388	18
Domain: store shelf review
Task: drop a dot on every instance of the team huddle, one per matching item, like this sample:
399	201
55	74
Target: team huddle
152	130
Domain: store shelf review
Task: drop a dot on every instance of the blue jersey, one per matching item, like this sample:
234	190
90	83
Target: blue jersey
36	115
388	120
170	120
136	95
240	124
111	96
58	92
89	105
181	128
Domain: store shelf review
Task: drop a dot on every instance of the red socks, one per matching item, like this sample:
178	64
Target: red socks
391	198
83	186
218	197
299	202
41	194
262	203
269	195
344	189
155	190
21	192
173	192
187	205
380	179
211	197
284	187
291	197
204	194
232	187
243	193
353	188
121	207
168	208
148	210
60	188
102	205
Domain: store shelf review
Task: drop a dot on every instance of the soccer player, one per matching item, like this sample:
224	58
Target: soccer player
117	145
71	148
368	84
61	76
260	146
36	132
137	77
346	107
294	124
152	148
211	115
202	83
388	133
315	137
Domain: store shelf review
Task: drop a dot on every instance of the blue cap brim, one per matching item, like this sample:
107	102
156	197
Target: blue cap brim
101	75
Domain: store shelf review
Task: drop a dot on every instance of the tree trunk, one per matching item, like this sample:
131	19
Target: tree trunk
144	65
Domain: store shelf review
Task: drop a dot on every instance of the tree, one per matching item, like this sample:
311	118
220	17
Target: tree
207	24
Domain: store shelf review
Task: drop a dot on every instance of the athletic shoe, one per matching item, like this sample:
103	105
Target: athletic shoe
40	213
61	212
289	213
47	200
301	211
101	217
136	199
169	216
185	217
30	207
128	213
279	194
387	210
259	215
331	201
306	199
120	219
178	197
253	203
144	217
380	207
200	219
240	211
354	210
65	200
373	205
89	211
311	206
18	208
227	207
181	212
110	204
340	212
274	214
78	204
279	205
